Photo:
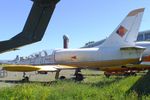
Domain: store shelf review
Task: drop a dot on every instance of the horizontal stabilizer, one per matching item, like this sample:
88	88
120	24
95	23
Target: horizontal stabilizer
131	52
133	48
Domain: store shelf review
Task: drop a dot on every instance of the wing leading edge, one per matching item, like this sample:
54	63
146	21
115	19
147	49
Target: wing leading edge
30	68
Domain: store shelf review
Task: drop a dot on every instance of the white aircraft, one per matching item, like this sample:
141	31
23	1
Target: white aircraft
118	51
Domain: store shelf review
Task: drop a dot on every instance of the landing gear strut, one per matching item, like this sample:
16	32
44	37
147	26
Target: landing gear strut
57	76
78	76
25	78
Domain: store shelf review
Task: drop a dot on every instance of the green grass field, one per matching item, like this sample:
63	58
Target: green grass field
92	88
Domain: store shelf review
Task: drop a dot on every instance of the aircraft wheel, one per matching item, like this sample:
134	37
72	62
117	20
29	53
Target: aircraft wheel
107	75
133	74
126	74
79	77
25	79
62	77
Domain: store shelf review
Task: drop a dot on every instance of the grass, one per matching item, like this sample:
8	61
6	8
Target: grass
92	88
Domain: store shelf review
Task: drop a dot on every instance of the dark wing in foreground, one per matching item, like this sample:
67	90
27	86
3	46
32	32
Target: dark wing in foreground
35	25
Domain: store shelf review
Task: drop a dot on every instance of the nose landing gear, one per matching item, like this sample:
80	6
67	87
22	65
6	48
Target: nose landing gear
78	75
25	78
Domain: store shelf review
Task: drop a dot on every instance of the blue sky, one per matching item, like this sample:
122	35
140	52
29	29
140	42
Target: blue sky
81	20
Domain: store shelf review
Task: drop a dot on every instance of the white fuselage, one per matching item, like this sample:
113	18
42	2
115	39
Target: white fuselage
95	57
100	57
88	57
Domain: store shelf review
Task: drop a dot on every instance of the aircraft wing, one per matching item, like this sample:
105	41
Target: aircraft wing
54	68
64	67
35	25
30	68
20	68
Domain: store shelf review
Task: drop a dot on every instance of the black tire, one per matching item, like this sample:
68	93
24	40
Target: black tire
79	77
62	77
107	75
134	74
26	79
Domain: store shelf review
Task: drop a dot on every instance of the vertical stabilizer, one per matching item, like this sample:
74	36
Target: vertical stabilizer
127	31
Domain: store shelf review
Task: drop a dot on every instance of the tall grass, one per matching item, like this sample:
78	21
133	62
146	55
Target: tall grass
24	92
93	88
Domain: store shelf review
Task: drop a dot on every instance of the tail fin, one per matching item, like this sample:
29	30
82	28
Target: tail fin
126	33
17	58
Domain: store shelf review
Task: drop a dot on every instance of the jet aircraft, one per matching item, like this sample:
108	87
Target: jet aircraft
117	51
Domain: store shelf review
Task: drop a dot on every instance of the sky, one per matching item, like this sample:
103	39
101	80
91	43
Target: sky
81	20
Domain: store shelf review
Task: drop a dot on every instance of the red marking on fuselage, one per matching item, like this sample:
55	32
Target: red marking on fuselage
74	57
